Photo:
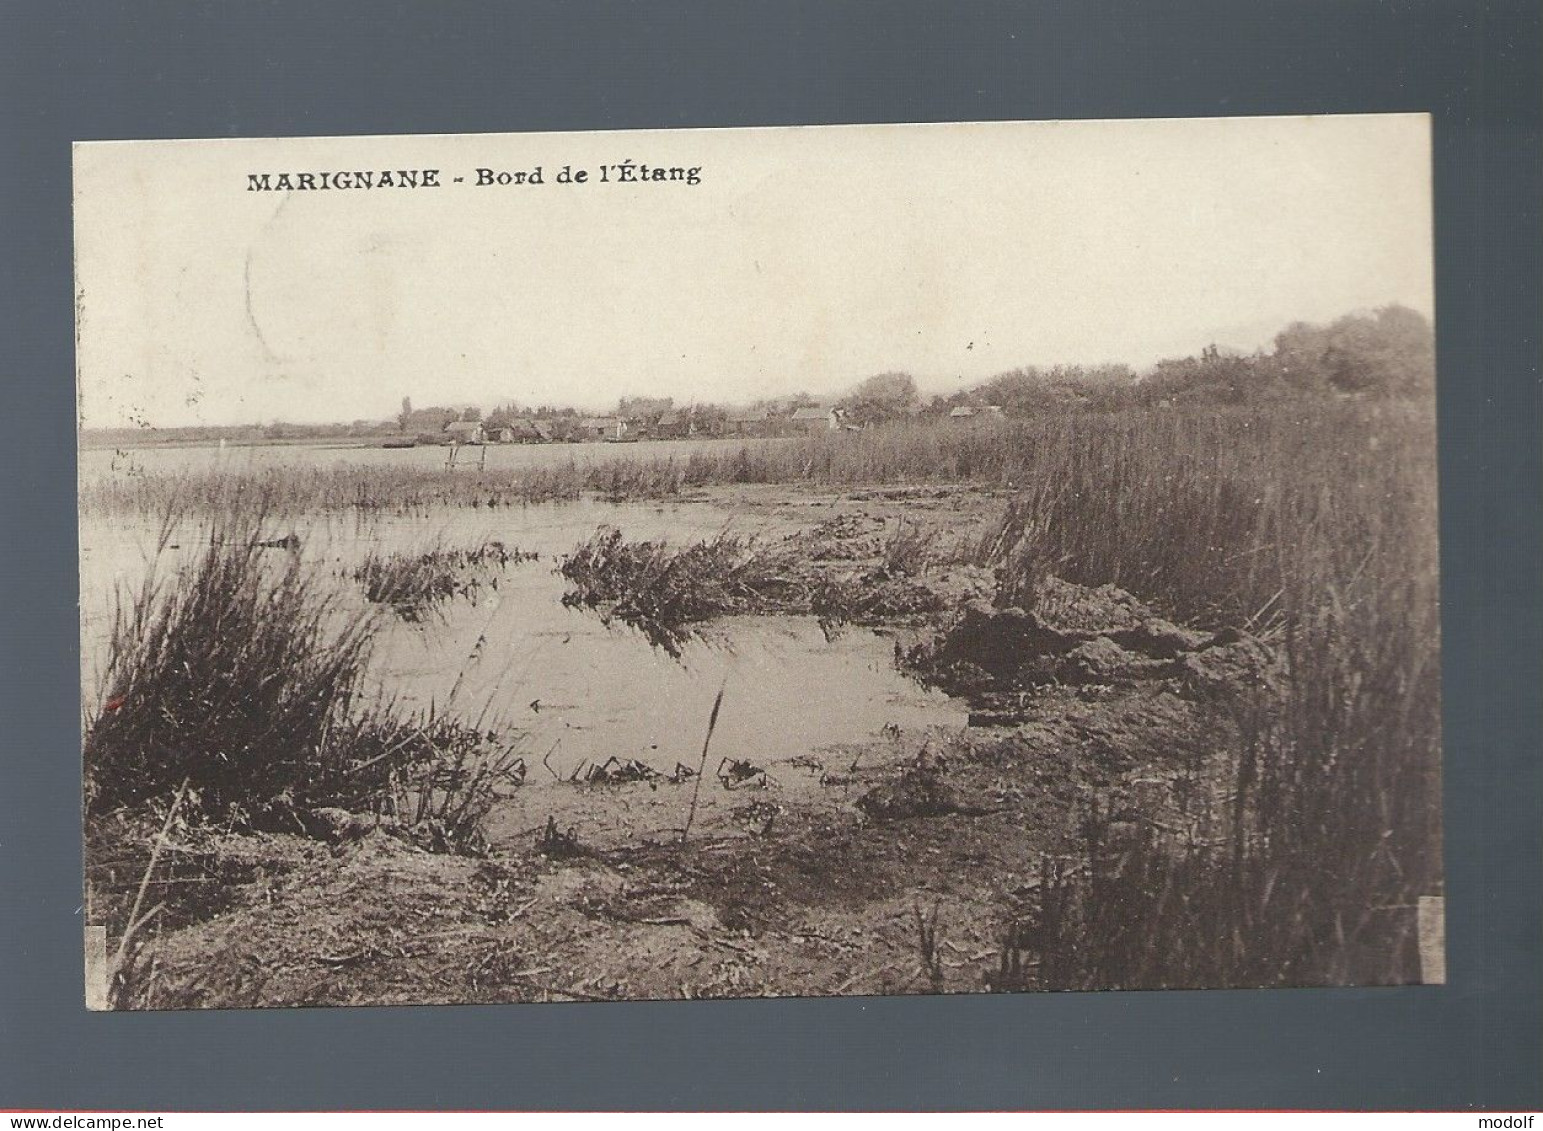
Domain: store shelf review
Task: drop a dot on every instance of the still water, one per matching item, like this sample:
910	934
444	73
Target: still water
161	460
518	660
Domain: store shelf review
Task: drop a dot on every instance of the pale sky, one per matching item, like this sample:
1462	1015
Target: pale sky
805	260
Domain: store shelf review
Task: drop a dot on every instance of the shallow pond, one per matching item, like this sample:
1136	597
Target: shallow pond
578	691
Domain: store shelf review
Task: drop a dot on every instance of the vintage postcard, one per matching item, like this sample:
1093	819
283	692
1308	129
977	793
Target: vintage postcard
895	559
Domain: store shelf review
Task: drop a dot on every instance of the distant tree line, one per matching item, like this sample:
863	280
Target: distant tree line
1386	353
1389	352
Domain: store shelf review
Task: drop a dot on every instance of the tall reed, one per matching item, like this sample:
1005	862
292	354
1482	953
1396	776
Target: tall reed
1321	535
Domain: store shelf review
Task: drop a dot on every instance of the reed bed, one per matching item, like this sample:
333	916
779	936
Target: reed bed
374	489
1005	454
1319	535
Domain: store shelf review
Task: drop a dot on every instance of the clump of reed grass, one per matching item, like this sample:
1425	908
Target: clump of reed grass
413	585
664	590
242	676
910	549
667	591
234	687
231	675
444	778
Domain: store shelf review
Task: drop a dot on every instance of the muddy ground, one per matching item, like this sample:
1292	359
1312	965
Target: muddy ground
897	865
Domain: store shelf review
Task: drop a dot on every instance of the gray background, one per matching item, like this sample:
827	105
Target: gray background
286	67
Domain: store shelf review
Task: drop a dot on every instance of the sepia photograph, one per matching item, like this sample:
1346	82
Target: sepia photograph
782	562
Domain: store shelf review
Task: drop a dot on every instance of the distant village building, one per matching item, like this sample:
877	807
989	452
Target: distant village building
513	430
747	423
428	422
597	428
673	426
814	420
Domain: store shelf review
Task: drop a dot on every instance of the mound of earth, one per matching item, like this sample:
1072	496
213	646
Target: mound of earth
1082	637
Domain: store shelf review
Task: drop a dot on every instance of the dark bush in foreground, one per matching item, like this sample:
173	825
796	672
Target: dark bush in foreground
239	678
230	675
